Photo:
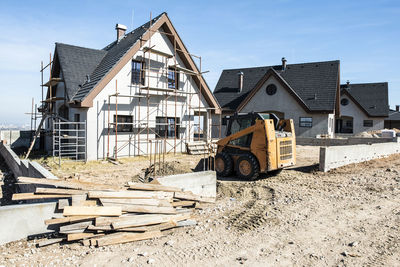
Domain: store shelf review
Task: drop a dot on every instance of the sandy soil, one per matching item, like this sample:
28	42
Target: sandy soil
301	217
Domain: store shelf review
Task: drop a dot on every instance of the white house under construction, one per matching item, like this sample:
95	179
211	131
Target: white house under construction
141	93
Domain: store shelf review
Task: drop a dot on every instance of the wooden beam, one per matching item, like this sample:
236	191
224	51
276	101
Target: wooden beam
137	201
57	191
120	238
26	196
184	203
73	184
142	208
75	226
156	227
134	221
191	196
153	187
92	211
68	219
131	194
62	203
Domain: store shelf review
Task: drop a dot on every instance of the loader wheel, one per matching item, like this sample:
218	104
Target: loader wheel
248	167
223	164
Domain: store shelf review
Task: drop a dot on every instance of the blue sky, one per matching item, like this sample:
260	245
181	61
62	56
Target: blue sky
363	35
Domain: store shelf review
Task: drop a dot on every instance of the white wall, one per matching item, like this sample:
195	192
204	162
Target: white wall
352	110
97	116
282	101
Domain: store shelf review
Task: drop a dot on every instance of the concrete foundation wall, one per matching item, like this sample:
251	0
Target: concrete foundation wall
337	156
20	221
304	141
16	138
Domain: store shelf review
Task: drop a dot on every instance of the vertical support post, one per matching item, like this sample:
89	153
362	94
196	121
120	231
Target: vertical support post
116	120
85	132
108	129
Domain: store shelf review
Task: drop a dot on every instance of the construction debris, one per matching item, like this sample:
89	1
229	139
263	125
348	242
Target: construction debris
98	215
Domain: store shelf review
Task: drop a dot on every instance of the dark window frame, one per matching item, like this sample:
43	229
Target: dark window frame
123	126
165	127
173	79
305	124
368	123
137	72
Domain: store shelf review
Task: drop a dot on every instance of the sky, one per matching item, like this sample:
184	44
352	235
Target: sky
364	35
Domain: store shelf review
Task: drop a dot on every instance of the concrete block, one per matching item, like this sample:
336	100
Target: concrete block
200	183
39	171
20	221
337	156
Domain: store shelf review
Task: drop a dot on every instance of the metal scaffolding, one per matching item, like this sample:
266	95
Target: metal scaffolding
144	93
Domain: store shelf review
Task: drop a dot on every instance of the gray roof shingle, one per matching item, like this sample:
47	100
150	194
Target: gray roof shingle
115	51
394	115
76	62
372	97
308	80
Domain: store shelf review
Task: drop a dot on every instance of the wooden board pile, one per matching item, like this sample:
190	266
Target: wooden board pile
99	215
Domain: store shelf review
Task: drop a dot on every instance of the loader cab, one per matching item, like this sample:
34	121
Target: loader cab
240	121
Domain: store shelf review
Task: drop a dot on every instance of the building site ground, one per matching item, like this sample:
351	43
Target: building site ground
303	217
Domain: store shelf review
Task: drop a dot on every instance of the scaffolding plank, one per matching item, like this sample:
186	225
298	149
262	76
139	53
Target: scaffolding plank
157	89
157	52
53	82
185	70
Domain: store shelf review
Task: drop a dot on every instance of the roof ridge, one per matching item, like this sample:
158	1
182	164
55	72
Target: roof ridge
271	66
365	83
58	43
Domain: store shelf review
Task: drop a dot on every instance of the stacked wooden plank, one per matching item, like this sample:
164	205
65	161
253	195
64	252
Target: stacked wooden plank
98	215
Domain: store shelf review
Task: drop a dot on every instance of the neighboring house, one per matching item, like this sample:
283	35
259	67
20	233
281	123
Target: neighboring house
363	107
158	85
393	121
308	93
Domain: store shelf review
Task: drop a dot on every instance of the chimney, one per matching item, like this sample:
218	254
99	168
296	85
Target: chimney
283	63
397	108
240	81
121	29
347	83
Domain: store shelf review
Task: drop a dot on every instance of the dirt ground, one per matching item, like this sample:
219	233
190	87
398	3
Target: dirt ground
302	217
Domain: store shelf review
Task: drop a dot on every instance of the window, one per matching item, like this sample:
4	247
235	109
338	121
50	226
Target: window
368	123
125	123
305	122
349	124
344	102
271	89
165	127
243	141
173	79
137	72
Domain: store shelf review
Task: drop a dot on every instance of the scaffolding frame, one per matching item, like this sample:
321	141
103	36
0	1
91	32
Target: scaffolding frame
143	124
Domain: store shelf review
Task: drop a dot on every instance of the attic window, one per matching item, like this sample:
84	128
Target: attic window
271	89
344	102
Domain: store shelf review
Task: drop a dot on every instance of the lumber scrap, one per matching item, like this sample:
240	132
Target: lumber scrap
137	201
131	194
72	184
30	196
68	219
153	187
88	240
184	203
156	227
49	242
75	226
142	208
92	211
58	191
191	196
78	236
147	220
120	238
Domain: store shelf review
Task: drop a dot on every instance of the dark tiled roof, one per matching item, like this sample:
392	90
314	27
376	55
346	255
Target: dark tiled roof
372	97
77	62
315	84
394	115
112	54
